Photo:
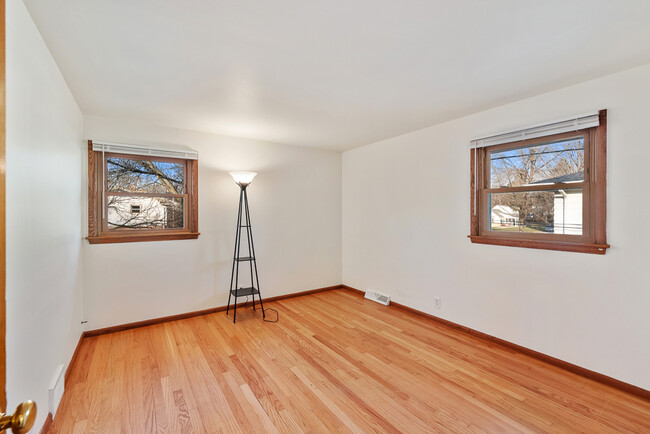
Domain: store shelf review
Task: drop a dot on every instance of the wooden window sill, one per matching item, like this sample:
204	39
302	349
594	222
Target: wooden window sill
598	249
132	238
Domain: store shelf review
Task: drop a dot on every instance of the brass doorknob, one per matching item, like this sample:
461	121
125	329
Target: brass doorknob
22	420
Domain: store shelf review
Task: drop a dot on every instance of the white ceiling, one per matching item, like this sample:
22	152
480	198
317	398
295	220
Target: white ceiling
327	73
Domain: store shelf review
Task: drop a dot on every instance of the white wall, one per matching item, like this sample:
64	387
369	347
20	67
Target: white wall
406	213
295	204
44	209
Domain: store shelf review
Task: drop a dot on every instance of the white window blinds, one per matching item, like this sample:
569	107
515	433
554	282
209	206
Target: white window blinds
572	124
171	151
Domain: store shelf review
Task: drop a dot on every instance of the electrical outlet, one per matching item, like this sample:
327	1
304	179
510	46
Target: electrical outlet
436	302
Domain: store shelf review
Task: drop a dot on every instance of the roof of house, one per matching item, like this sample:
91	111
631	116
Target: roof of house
504	211
571	177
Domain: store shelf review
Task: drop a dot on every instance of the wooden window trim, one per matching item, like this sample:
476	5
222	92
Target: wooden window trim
97	229
594	238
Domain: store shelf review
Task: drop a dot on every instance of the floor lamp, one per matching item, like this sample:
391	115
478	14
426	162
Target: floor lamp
243	179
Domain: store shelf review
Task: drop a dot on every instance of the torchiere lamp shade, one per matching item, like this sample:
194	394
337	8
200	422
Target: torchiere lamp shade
243	178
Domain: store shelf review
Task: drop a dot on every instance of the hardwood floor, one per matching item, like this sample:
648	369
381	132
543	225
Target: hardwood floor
334	362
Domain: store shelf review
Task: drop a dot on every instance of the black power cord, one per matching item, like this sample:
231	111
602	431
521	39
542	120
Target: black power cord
277	314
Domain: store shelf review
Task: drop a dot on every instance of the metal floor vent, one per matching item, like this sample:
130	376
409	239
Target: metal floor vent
379	298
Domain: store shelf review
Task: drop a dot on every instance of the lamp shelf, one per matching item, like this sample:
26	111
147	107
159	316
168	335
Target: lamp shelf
244	292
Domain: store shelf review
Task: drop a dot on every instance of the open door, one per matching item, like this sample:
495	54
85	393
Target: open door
25	415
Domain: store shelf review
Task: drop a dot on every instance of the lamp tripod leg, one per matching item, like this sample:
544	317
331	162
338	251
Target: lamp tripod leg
251	246
234	276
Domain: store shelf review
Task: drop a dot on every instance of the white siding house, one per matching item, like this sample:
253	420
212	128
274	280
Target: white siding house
504	216
567	212
567	205
144	212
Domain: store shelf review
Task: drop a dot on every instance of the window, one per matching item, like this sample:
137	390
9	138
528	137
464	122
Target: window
140	198
545	192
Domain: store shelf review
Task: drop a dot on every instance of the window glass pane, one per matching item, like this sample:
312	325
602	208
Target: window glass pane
152	212
548	212
561	161
144	176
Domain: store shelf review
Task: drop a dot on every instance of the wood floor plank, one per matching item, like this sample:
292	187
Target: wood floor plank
333	363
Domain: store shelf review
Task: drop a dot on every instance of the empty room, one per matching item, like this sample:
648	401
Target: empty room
322	216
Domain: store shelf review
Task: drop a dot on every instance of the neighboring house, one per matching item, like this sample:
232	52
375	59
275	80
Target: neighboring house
504	216
143	212
567	205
